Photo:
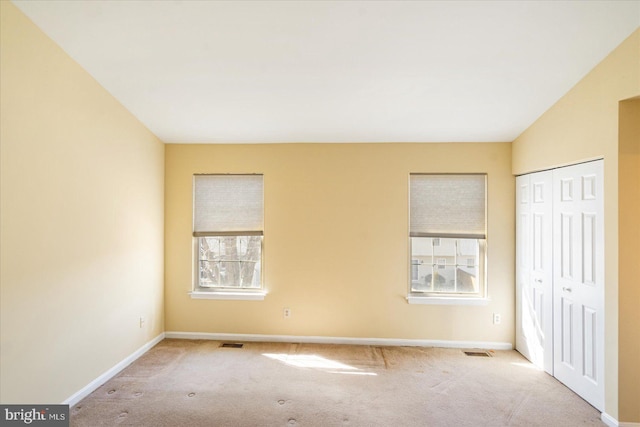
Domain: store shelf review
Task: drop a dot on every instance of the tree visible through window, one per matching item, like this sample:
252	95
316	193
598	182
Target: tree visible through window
230	261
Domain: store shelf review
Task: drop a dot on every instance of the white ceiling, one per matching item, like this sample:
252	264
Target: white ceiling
336	71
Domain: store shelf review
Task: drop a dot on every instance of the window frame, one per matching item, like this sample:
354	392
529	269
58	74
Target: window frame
481	297
225	292
481	275
198	260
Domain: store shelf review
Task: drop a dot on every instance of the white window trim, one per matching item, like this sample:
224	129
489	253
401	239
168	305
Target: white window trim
227	295
220	289
218	292
432	298
478	299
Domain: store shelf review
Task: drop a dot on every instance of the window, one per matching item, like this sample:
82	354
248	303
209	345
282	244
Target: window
229	261
447	235
228	232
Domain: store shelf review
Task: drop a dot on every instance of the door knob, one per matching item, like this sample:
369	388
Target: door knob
538	280
566	289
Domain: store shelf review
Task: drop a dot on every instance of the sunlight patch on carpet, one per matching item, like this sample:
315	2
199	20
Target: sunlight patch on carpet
315	362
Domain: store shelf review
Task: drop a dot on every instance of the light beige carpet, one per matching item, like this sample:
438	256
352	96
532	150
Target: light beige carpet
199	383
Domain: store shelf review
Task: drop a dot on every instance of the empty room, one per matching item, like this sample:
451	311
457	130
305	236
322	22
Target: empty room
320	213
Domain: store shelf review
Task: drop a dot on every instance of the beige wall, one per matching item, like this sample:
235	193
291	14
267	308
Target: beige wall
629	260
580	126
81	222
336	245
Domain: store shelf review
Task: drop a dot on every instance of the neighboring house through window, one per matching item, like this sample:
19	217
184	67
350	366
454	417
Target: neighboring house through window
448	236
228	233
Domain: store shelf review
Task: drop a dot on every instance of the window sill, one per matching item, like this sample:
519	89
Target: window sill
227	295
429	300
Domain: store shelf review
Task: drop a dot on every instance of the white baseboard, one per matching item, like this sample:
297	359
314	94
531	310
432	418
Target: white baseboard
340	340
609	420
93	385
612	422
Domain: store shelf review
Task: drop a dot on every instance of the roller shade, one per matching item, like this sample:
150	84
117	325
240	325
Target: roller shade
443	205
227	205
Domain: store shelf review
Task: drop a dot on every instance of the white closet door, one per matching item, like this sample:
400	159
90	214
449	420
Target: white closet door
534	269
579	280
526	342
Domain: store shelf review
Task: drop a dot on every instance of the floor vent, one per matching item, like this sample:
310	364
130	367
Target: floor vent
231	345
477	353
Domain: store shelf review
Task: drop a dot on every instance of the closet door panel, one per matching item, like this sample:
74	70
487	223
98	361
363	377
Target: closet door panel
579	280
534	269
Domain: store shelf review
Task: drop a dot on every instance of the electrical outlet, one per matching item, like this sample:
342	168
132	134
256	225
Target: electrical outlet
141	321
287	313
496	318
